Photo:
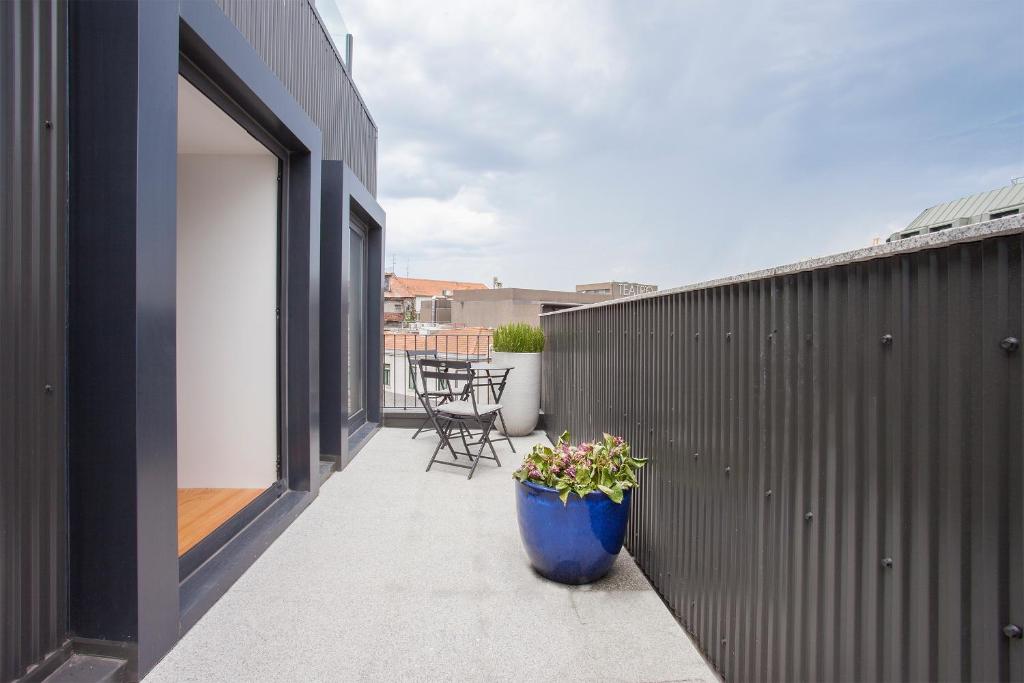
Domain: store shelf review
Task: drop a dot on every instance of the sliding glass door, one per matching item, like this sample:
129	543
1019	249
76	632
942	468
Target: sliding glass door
357	329
227	298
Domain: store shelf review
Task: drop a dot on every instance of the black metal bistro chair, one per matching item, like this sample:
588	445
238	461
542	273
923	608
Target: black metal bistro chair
489	371
429	399
467	419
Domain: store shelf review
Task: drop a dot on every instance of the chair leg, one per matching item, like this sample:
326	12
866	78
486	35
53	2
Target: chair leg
462	435
504	431
443	433
485	434
423	426
476	460
487	437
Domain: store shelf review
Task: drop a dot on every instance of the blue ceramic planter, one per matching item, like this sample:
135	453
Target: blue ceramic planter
572	543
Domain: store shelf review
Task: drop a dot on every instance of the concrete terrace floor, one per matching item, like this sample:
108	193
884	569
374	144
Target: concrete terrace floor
409	575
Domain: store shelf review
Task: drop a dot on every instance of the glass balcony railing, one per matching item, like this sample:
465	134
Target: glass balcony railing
334	22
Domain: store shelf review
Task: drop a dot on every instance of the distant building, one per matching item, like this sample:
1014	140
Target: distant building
408	299
984	206
493	307
437	310
616	290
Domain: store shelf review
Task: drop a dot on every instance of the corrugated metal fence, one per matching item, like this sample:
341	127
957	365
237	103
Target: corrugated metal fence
33	168
291	39
836	489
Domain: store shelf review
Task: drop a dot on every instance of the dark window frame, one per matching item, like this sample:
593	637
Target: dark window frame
124	588
214	541
358	418
344	197
216	56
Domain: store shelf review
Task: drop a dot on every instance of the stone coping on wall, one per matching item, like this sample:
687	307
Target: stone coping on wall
969	233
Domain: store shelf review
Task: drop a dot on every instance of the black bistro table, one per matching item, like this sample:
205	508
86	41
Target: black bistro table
495	376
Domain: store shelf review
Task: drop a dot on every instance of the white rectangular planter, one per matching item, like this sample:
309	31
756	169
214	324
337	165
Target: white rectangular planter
521	400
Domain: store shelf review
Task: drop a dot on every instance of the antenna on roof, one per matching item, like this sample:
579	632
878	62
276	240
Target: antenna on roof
1017	181
407	266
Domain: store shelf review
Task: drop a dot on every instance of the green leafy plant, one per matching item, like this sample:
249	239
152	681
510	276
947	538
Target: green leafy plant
606	465
518	338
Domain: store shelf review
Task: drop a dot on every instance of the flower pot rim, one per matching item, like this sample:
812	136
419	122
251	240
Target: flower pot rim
548	489
522	353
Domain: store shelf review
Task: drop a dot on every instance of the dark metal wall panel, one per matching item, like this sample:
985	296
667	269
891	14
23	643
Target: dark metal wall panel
291	39
823	501
33	168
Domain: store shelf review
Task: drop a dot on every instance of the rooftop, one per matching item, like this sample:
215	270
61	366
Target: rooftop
522	295
973	208
410	575
406	287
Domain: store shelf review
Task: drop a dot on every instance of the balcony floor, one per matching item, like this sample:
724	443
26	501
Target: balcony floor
409	575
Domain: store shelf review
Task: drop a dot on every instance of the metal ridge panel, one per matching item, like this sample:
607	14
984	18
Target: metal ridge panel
835	473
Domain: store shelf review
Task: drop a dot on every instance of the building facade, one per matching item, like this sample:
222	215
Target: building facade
493	307
412	299
616	289
192	300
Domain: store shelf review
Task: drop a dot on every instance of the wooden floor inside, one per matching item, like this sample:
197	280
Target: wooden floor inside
200	511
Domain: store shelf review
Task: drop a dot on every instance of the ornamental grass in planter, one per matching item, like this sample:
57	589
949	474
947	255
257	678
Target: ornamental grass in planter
573	505
518	346
518	338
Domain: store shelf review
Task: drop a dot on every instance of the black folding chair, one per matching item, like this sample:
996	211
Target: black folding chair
495	388
466	418
427	398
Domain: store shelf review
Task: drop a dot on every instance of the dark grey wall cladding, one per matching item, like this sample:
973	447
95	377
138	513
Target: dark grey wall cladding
33	140
290	38
836	478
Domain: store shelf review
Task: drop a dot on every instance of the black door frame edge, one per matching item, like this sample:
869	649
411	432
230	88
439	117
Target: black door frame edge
124	584
207	584
211	43
343	193
358	418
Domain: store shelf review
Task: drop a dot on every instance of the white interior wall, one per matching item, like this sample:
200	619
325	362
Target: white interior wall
226	320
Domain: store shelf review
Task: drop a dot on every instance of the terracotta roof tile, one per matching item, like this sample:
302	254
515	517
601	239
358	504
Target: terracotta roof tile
406	287
464	342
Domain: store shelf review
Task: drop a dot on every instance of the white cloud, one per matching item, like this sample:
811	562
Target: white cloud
675	140
466	222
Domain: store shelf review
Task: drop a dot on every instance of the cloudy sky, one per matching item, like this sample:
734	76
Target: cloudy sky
554	143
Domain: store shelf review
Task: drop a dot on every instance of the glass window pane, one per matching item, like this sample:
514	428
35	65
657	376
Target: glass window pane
356	324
